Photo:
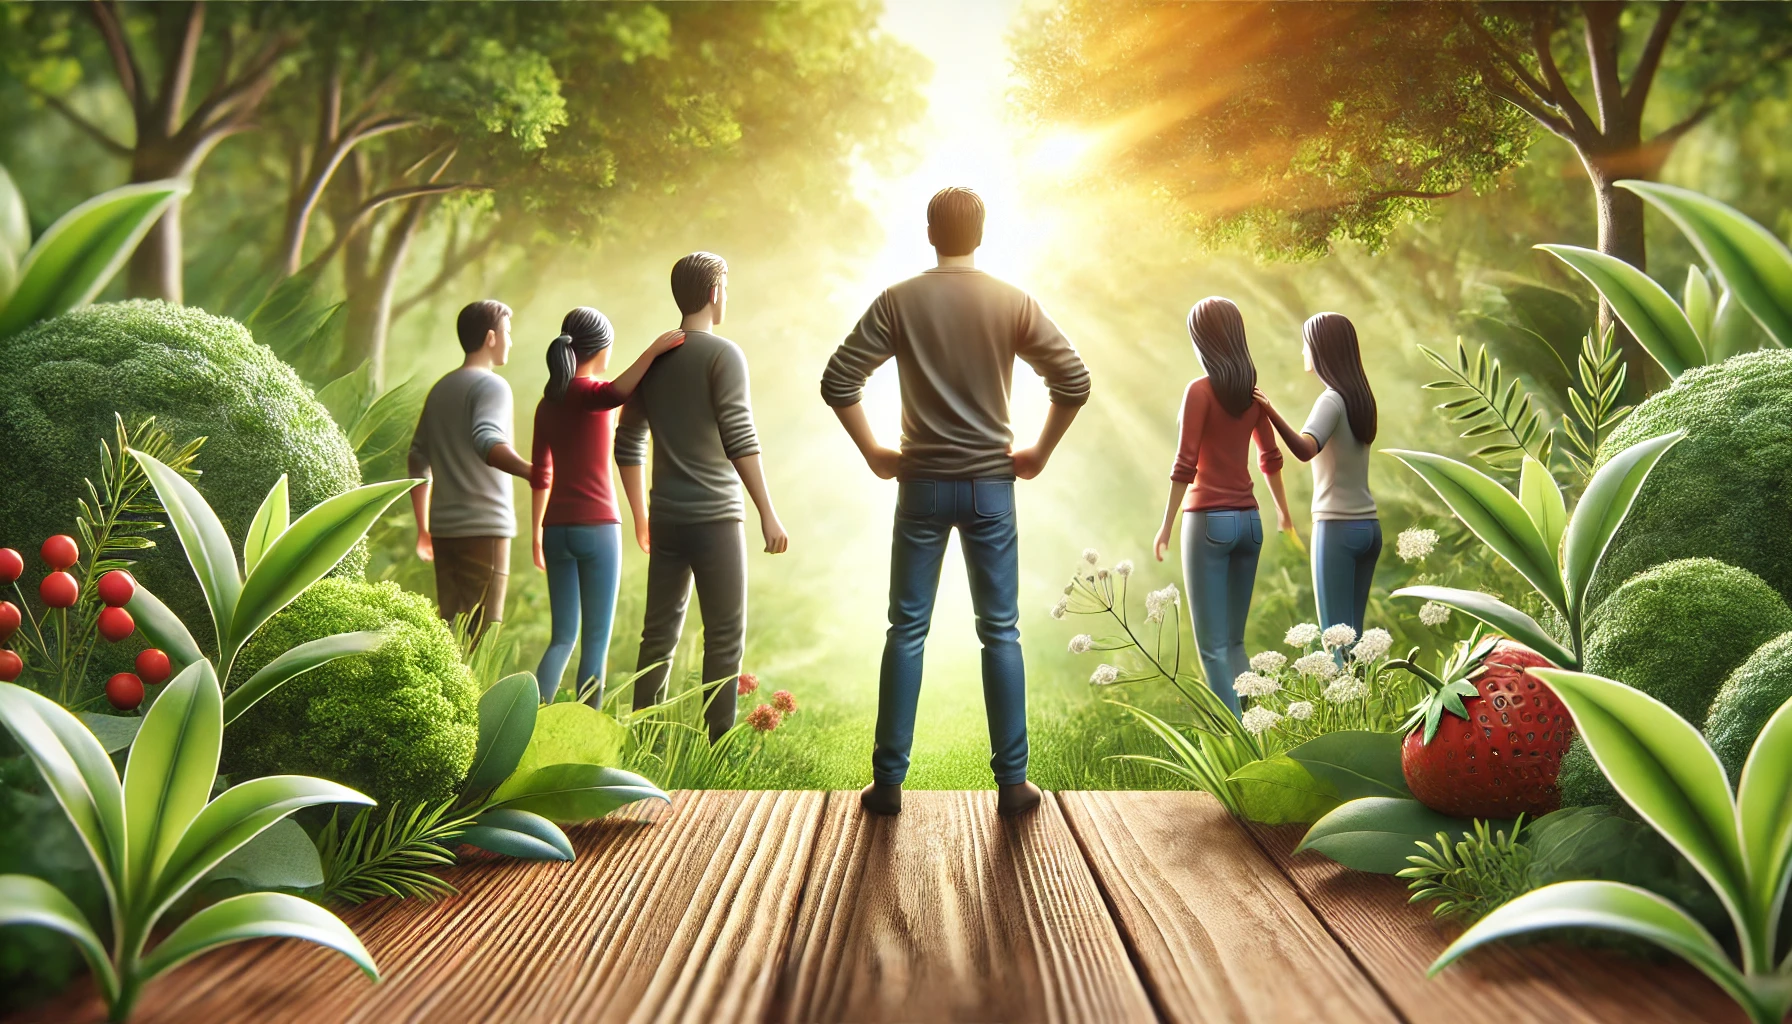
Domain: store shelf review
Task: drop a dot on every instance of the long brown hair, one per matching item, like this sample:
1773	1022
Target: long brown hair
1217	329
1331	340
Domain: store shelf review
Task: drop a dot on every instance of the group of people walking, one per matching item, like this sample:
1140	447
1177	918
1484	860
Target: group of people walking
955	333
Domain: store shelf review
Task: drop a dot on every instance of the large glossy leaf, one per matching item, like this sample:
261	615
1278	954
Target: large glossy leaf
1755	266
1652	315
1700	304
1663	768
237	816
1603	506
202	536
1501	616
270	521
1764	816
506	721
33	901
257	915
580	792
79	253
168	778
566	733
163	628
296	662
1494	515
115	732
1356	763
1377	834
15	234
78	772
519	834
307	551
280	857
1542	500
1280	791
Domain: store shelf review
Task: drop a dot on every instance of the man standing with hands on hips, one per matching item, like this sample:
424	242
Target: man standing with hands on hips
954	332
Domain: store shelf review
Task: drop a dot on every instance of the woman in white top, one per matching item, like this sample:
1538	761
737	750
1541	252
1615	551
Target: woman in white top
1336	438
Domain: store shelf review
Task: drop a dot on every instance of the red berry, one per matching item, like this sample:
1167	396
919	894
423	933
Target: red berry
9	619
59	590
60	552
125	691
12	565
10	665
153	666
115	624
116	587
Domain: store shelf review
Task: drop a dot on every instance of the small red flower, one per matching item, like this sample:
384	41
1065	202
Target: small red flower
125	691
60	551
115	624
153	666
10	665
116	587
784	701
765	718
12	565
749	683
59	590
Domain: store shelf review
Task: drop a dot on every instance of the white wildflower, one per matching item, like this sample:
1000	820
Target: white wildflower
1319	665
1347	689
1413	545
1300	710
1158	602
1061	607
1101	574
1090	556
1259	719
1433	614
1337	636
1374	645
1105	675
1250	684
1301	635
1268	661
1082	643
1124	568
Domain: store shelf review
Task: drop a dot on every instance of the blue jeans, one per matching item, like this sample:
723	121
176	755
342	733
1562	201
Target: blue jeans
1219	566
584	569
1344	554
926	513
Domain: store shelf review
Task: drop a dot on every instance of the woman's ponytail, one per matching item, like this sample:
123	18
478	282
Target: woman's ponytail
561	367
584	333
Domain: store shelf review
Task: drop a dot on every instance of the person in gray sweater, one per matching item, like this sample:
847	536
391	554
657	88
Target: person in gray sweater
694	404
954	332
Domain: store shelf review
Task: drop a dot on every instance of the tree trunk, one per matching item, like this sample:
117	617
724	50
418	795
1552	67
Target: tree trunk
370	297
1621	235
156	267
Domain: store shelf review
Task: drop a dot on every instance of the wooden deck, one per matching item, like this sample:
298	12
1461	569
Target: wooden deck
796	907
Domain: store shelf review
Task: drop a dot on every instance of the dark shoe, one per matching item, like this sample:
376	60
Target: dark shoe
880	799
1017	799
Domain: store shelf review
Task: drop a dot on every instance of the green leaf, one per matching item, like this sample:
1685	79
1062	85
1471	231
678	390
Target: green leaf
519	834
346	397
257	915
282	857
203	538
33	901
306	552
1377	834
1501	616
1279	791
573	793
78	772
1607	906
566	733
1601	511
1542	501
15	224
294	663
507	713
168	778
79	253
1355	764
1700	306
1658	323
1736	330
1494	515
270	521
115	732
1755	266
1764	816
1663	768
163	628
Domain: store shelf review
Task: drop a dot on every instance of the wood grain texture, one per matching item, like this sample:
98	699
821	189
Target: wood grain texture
668	914
950	913
1395	942
1219	934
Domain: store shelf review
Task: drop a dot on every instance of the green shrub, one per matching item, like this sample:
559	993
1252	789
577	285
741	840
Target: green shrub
36	839
399	723
1676	633
1724	492
198	375
1747	700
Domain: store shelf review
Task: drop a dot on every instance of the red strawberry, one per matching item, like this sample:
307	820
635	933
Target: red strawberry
1497	751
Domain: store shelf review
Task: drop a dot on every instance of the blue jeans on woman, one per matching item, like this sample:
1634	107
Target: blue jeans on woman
584	569
1344	554
1219	566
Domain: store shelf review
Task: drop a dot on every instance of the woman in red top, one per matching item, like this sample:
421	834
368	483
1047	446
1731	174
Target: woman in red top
1210	483
578	535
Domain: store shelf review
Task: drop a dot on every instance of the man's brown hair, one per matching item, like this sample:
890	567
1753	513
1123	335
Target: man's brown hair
955	221
693	277
478	318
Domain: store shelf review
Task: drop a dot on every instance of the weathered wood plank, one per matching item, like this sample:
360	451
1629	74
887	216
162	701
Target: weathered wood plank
1219	934
950	913
1552	983
668	914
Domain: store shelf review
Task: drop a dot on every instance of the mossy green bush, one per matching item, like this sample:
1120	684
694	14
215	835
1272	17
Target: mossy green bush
398	723
1747	700
198	375
1725	491
1675	632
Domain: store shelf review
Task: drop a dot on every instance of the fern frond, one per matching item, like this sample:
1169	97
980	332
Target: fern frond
1594	399
1474	875
390	856
1488	404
